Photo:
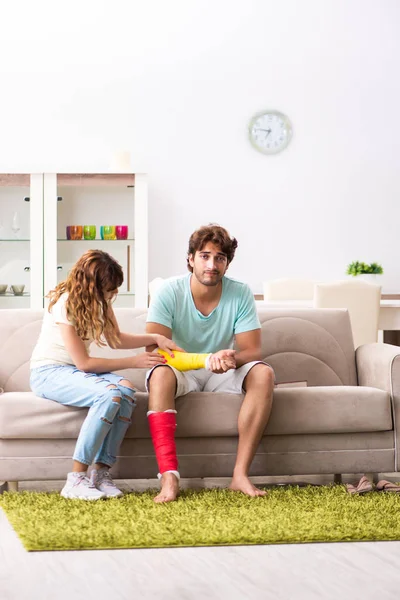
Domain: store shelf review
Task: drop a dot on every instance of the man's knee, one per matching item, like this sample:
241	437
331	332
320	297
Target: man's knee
163	376
261	377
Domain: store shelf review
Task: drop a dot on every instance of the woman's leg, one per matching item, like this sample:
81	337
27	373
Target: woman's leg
106	456
109	449
97	424
69	386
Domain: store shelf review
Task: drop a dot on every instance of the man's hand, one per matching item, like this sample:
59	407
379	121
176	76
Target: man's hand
222	361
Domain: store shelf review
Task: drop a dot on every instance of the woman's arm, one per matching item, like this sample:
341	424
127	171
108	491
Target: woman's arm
77	350
153	329
150	340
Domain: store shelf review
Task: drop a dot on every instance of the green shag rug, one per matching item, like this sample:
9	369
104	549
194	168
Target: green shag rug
217	517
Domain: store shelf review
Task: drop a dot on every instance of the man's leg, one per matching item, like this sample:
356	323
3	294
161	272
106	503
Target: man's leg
162	386
253	418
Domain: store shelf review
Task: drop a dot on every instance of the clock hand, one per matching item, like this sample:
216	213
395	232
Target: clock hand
268	131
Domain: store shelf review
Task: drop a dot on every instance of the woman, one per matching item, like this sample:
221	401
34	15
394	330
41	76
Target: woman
80	312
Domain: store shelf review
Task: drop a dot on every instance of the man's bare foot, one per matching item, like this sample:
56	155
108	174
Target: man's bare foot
241	483
169	488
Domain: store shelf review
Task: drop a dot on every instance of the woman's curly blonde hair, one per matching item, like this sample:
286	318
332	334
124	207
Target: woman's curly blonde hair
95	273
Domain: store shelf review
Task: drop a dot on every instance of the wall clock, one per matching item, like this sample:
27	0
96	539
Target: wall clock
270	131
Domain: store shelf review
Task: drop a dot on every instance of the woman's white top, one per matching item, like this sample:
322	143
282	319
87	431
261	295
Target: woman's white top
50	348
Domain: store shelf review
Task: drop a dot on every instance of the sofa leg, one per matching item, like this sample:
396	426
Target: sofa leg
8	486
337	478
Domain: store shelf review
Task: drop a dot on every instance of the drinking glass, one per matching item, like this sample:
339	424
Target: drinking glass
75	232
107	232
121	232
89	232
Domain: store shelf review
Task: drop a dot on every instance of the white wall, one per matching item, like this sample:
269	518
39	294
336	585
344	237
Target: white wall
176	83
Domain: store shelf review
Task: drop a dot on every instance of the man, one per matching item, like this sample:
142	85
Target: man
206	311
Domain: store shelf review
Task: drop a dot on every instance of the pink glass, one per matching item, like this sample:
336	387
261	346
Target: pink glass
121	232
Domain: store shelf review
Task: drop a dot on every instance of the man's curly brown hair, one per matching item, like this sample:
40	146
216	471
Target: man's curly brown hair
95	273
215	234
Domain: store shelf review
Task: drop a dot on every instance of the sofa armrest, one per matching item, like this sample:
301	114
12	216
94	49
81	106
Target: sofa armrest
378	365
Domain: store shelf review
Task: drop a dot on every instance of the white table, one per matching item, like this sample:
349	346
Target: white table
389	314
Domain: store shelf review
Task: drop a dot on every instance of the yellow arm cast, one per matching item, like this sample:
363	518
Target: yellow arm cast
185	361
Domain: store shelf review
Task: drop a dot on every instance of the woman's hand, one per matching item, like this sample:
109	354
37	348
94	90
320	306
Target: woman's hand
147	360
166	344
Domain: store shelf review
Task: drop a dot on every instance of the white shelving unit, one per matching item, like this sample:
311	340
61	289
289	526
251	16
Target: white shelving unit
46	204
21	239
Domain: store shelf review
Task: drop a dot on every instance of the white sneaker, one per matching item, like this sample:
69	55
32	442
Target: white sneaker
102	479
79	487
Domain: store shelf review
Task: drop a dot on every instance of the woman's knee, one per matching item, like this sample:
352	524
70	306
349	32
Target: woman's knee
110	403
128	391
113	394
126	383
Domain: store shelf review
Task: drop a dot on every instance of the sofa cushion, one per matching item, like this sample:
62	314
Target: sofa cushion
341	409
315	345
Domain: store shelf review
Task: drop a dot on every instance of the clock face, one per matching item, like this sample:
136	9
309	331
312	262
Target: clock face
270	131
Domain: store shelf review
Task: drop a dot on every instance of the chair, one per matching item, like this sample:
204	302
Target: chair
289	289
362	300
154	285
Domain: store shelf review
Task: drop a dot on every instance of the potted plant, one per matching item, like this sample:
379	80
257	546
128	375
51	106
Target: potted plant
364	271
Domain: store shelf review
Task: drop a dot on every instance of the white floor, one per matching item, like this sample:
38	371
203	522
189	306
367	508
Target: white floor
341	571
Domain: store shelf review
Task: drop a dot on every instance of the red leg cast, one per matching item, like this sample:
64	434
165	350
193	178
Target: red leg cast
162	429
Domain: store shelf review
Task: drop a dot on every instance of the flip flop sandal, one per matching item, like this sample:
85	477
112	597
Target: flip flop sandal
364	486
351	489
387	486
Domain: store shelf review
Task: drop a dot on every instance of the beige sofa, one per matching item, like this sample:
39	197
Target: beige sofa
343	422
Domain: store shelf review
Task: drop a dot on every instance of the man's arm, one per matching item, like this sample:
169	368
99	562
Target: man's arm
157	328
249	347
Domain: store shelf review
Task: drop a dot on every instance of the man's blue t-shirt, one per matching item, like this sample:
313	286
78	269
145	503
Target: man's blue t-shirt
173	307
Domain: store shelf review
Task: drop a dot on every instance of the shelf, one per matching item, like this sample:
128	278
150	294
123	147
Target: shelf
14	179
88	179
11	295
95	240
13	240
27	294
72	179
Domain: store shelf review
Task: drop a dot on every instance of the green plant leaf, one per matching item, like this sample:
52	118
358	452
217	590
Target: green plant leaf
359	268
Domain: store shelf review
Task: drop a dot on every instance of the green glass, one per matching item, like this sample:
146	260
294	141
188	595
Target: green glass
89	232
107	232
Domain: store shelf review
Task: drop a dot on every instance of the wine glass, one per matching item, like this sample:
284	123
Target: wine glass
15	224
